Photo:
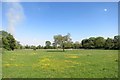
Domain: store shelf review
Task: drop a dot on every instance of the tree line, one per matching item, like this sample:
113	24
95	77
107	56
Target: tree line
8	42
65	42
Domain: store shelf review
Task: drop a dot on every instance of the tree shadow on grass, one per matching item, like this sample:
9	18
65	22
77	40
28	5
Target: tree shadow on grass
55	51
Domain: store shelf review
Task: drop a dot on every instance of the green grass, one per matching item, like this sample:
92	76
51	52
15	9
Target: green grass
0	63
53	64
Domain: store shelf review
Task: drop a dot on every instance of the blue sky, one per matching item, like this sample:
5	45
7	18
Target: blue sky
35	22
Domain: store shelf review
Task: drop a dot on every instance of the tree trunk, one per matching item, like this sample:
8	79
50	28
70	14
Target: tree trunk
12	49
63	48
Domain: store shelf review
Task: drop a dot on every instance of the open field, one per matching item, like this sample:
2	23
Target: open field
58	64
0	63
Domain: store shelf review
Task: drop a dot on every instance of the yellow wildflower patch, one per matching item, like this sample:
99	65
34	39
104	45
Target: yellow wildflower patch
7	65
74	62
34	53
42	63
72	56
45	60
68	61
45	65
53	64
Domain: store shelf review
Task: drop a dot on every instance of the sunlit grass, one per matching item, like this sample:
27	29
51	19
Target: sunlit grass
53	64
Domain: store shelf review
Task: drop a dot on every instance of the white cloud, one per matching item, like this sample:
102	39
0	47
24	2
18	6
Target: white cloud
15	14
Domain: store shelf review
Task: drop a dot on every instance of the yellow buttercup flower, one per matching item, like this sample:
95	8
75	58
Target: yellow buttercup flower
7	65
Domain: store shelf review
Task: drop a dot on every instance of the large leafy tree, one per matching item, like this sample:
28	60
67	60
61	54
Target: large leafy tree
62	40
8	41
88	43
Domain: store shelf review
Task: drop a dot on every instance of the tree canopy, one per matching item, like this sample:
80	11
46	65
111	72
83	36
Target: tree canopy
8	41
62	41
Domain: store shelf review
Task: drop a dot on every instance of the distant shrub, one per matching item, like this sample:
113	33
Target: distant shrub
34	49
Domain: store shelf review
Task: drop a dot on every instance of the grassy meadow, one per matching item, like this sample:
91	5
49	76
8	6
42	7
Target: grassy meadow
58	64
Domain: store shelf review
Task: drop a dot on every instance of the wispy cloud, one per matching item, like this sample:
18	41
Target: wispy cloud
15	14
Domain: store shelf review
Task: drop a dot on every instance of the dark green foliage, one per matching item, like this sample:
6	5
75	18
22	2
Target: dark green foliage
117	42
27	47
47	43
88	43
38	47
18	45
33	47
54	45
109	43
8	41
85	43
99	42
